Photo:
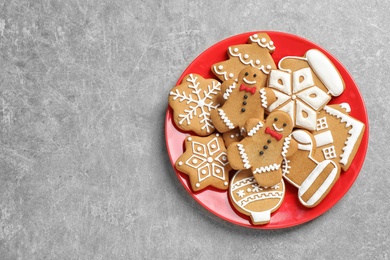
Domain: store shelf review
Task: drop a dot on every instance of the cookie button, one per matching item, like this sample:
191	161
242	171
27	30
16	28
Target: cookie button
244	103
245	96
265	147
242	109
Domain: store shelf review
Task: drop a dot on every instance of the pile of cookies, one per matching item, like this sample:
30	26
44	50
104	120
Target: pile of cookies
256	125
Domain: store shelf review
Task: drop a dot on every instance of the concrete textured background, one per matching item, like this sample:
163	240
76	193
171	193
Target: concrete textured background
84	172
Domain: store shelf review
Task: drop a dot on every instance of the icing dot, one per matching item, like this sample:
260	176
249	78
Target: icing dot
199	149
293	97
224	158
210	159
216	134
255	36
246	56
180	163
204	171
257	62
217	170
225	183
189	139
220	67
235	49
248	190
231	75
238	134
271	43
194	161
268	67
197	185
232	136
263	40
213	146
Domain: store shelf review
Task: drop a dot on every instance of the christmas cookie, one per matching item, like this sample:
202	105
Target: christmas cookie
303	86
205	162
192	102
244	99
337	135
264	148
249	198
314	179
256	54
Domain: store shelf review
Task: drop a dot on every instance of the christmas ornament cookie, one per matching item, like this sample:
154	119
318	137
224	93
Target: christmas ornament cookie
249	198
303	86
244	99
264	148
256	54
192	102
314	179
205	162
337	135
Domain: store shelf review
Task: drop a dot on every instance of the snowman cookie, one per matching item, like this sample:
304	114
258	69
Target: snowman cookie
264	148
244	99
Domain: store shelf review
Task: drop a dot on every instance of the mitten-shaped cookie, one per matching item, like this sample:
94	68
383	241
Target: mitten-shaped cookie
246	98
264	148
314	179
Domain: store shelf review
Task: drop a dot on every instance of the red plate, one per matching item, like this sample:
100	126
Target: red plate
291	213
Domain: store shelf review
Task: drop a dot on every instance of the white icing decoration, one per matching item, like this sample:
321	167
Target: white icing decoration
326	71
225	119
286	145
244	156
263	169
180	163
323	138
200	100
354	133
197	185
248	61
218	71
229	90
263	98
248	81
346	107
255	129
299	98
324	186
276	128
262	42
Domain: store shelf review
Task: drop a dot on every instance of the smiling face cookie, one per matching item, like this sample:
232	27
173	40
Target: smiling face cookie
264	148
246	98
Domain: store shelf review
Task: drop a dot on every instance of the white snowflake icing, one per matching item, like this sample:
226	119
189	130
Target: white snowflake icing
298	96
241	193
207	165
256	188
198	100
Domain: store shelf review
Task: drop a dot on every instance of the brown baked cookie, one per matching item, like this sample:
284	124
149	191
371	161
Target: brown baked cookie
337	135
303	86
264	148
314	179
205	162
249	198
244	99
192	102
256	54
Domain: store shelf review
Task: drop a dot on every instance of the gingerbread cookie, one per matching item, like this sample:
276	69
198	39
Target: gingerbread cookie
244	99
192	102
256	54
264	148
338	135
249	198
303	86
314	179
205	162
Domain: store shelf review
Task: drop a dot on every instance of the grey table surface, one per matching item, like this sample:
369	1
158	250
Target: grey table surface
84	171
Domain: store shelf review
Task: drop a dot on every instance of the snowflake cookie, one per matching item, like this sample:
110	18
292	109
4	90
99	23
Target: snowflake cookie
264	148
303	86
205	162
249	198
192	102
256	54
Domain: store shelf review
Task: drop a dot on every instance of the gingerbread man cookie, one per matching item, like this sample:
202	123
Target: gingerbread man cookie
205	162
264	148
192	102
244	99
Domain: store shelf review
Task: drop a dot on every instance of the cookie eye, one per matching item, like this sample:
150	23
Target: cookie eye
246	73
275	119
254	75
284	124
